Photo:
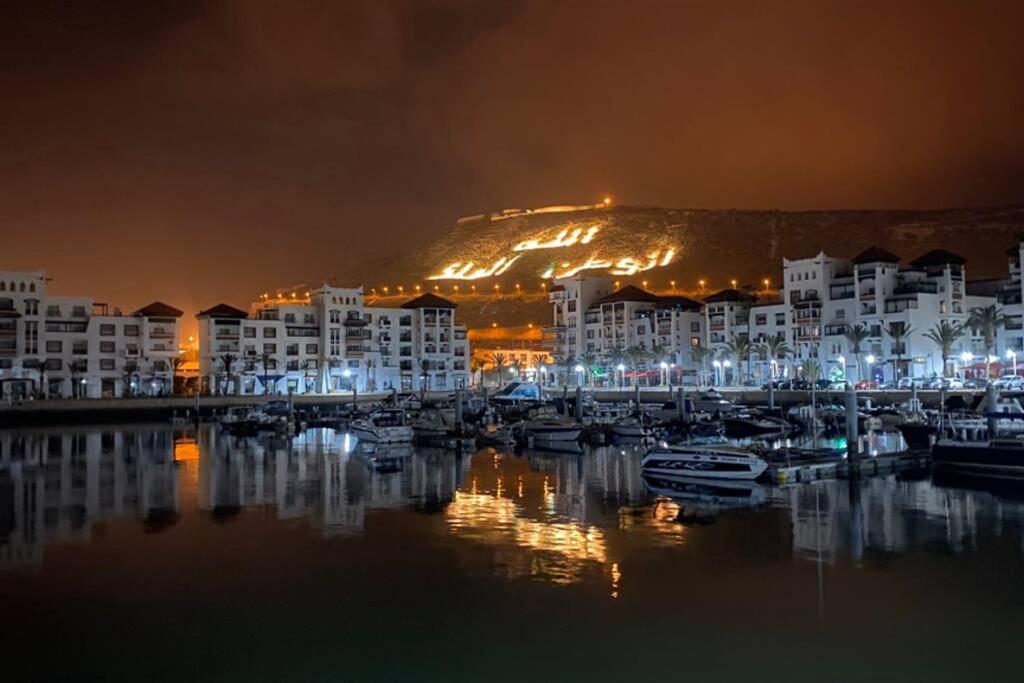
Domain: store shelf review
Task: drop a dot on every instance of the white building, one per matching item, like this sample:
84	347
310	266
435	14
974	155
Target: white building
329	341
71	347
592	321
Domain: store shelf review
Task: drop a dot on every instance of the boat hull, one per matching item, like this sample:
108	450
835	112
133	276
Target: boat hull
981	459
707	464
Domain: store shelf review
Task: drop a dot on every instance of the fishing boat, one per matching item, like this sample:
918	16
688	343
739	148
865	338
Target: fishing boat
386	425
709	462
711	401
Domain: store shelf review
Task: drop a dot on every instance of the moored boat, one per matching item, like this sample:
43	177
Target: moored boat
999	458
382	426
713	462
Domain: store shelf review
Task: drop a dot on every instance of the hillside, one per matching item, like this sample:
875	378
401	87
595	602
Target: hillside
685	245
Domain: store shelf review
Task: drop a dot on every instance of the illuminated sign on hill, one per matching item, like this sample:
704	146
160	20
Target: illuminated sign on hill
624	265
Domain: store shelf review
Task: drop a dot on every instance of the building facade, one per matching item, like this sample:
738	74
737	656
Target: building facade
74	347
823	299
330	340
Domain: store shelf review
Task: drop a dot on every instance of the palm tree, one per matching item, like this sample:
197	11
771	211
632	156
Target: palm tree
131	368
75	367
498	361
305	365
616	356
986	320
424	377
855	336
476	366
567	363
898	332
588	360
812	369
777	348
739	347
944	335
371	375
700	355
636	355
177	364
657	355
228	361
265	360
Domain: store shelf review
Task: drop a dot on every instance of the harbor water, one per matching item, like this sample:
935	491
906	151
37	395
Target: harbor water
156	553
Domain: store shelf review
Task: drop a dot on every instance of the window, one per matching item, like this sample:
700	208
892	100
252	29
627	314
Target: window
106	330
54	364
335	317
694	341
289	318
52	311
269	332
780	318
54	346
694	327
106	347
106	363
761	319
840	314
31	307
311	349
249	332
31	337
270	348
131	330
292	349
78	311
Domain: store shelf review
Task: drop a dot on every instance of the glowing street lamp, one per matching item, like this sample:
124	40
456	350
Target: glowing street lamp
664	371
842	364
673	283
733	283
401	289
517	288
1012	355
767	284
701	283
718	370
622	374
644	283
417	289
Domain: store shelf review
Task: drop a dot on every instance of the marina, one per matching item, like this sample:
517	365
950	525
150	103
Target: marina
530	546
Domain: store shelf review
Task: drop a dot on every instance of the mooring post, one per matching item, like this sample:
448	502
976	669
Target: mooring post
394	396
636	396
579	404
852	430
681	404
355	396
771	395
991	408
458	411
565	400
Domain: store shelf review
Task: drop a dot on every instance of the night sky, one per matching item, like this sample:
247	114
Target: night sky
197	152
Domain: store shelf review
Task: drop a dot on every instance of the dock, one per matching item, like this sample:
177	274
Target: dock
841	468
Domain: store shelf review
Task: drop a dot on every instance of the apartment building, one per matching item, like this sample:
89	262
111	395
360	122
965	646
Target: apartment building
74	347
593	319
330	340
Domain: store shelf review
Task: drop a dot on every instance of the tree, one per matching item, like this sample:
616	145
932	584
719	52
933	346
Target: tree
424	377
986	321
739	347
944	334
589	361
812	369
498	362
76	367
616	356
306	365
177	365
265	360
777	348
636	355
476	366
371	375
855	336
700	355
567	363
898	332
227	360
130	370
657	355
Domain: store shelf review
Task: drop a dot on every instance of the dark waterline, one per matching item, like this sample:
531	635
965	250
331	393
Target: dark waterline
142	552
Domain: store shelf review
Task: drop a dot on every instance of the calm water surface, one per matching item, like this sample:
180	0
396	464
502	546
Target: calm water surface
143	552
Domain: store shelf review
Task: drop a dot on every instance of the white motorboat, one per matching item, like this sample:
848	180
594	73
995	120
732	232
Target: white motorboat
711	462
549	431
631	428
711	401
382	426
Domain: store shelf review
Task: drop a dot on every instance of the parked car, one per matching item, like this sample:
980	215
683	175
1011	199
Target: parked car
978	383
950	383
866	385
1010	382
908	382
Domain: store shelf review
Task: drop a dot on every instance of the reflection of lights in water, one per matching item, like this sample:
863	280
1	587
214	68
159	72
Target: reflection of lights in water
186	449
616	577
560	551
519	489
661	521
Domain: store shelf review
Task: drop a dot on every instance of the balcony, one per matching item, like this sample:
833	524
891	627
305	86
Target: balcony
835	330
355	321
916	288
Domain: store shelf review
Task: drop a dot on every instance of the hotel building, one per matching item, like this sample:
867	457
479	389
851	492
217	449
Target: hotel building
330	340
821	299
74	347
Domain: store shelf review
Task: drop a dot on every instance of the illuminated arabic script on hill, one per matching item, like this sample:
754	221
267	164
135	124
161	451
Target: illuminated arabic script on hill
622	266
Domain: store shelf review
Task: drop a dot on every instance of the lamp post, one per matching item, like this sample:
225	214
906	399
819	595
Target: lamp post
664	371
1012	355
842	365
718	370
871	365
622	375
579	371
726	364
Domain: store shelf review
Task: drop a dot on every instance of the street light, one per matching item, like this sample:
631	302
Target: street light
664	369
842	364
1012	355
622	374
718	369
966	357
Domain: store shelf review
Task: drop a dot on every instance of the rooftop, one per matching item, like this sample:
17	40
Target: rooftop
222	311
429	300
938	257
629	293
730	295
876	255
157	309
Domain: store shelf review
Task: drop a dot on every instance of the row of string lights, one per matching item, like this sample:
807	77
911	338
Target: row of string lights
497	290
